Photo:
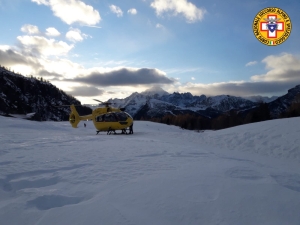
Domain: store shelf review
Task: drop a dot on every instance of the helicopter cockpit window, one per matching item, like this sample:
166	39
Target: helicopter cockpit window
121	116
110	117
99	118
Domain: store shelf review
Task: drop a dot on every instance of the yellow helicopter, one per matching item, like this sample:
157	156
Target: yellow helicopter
105	119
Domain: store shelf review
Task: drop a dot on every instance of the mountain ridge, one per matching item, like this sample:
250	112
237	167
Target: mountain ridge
23	95
179	103
142	105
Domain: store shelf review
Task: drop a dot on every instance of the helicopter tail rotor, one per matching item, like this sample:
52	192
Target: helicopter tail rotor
74	117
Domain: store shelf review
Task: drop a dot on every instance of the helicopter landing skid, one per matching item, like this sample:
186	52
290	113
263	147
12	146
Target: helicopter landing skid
124	131
109	132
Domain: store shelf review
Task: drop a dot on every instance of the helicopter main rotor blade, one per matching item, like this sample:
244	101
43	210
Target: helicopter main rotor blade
64	105
98	100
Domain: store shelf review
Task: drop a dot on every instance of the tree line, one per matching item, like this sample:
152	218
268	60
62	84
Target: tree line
228	119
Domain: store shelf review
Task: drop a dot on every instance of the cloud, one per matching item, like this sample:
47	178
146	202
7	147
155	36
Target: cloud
30	29
34	55
72	11
116	10
18	62
9	57
284	67
158	25
60	68
92	26
43	46
125	76
237	88
251	63
132	11
75	35
51	31
193	78
38	66
41	2
85	91
183	7
46	73
283	74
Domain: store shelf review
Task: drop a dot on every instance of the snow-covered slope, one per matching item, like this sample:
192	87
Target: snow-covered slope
51	173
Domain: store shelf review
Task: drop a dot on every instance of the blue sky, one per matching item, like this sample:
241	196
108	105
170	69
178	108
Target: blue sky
111	48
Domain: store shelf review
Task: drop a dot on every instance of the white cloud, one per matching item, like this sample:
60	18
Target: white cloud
4	47
92	26
251	63
38	65
281	68
51	31
234	88
132	11
43	46
193	78
75	35
41	2
30	29
187	9
283	74
72	11
124	76
115	9
62	68
88	91
158	25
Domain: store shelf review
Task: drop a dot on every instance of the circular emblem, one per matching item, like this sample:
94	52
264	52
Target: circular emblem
272	26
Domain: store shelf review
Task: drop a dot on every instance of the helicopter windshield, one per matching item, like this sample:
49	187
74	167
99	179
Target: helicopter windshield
128	115
113	117
109	117
121	116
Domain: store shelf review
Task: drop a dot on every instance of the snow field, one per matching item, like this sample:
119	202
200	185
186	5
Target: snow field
51	173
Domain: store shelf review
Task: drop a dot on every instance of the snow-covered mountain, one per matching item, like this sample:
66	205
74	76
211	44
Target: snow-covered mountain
281	104
221	103
155	92
264	99
157	102
22	95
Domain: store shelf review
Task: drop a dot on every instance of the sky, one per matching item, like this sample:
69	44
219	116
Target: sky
112	48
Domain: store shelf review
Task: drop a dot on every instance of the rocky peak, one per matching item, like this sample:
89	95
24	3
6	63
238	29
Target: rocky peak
155	90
